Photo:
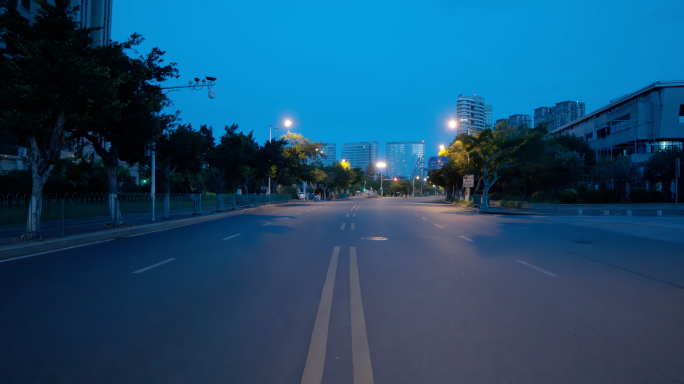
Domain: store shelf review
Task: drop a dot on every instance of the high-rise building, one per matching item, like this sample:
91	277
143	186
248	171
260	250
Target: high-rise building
560	114
330	152
488	116
518	120
360	154
91	14
470	114
406	159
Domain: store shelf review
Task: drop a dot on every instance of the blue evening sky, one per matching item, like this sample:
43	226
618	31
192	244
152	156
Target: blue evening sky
392	70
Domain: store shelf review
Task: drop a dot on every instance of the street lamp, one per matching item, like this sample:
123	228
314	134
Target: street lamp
452	123
381	166
287	123
414	185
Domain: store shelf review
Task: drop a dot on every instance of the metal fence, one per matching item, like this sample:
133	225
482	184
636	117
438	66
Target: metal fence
65	214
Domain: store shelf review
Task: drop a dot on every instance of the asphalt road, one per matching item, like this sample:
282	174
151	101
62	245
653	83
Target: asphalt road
356	291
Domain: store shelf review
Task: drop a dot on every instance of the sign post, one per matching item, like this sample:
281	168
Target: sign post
468	182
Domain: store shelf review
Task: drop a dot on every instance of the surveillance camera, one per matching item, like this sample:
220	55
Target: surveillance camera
211	78
196	79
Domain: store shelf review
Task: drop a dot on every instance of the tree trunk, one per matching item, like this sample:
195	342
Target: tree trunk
114	209
41	165
35	207
167	196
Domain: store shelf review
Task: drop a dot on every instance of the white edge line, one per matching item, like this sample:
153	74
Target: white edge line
154	265
423	218
467	239
537	268
439	226
56	250
230	237
266	224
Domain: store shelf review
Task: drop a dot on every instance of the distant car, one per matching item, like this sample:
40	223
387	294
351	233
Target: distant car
358	191
302	196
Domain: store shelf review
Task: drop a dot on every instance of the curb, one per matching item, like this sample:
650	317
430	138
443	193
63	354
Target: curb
14	251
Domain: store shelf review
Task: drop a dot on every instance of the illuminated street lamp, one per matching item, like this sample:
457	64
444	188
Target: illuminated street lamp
287	123
452	123
381	166
414	185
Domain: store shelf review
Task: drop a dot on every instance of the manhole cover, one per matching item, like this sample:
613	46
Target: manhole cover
374	238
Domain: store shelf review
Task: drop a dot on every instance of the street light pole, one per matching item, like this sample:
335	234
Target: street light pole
381	166
287	123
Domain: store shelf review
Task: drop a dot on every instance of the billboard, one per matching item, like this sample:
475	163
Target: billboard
437	162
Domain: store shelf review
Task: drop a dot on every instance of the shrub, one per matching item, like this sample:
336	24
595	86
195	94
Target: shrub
569	196
608	195
591	196
540	196
639	196
495	196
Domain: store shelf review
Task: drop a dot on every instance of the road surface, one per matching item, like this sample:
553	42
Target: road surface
354	291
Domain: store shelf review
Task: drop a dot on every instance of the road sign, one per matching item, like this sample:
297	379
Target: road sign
468	181
437	162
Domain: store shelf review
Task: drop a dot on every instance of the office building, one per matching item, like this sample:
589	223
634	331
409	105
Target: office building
636	125
520	120
360	154
406	159
330	152
560	114
470	114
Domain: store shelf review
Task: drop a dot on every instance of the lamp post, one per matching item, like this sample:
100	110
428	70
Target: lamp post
196	86
381	166
287	123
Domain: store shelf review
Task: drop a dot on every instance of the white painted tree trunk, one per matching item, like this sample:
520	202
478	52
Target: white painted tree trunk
114	209
167	205
220	202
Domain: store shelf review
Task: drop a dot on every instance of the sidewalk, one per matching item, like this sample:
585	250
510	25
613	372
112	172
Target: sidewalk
663	228
54	244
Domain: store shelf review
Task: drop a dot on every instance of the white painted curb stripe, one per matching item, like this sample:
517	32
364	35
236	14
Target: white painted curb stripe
56	250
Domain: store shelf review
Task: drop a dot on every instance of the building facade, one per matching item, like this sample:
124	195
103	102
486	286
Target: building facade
406	159
470	114
636	125
488	116
360	154
91	14
520	120
560	114
330	152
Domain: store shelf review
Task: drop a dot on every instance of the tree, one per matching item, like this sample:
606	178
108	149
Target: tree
175	150
492	150
230	159
41	104
660	168
118	128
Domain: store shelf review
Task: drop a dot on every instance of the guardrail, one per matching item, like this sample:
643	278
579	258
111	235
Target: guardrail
63	214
